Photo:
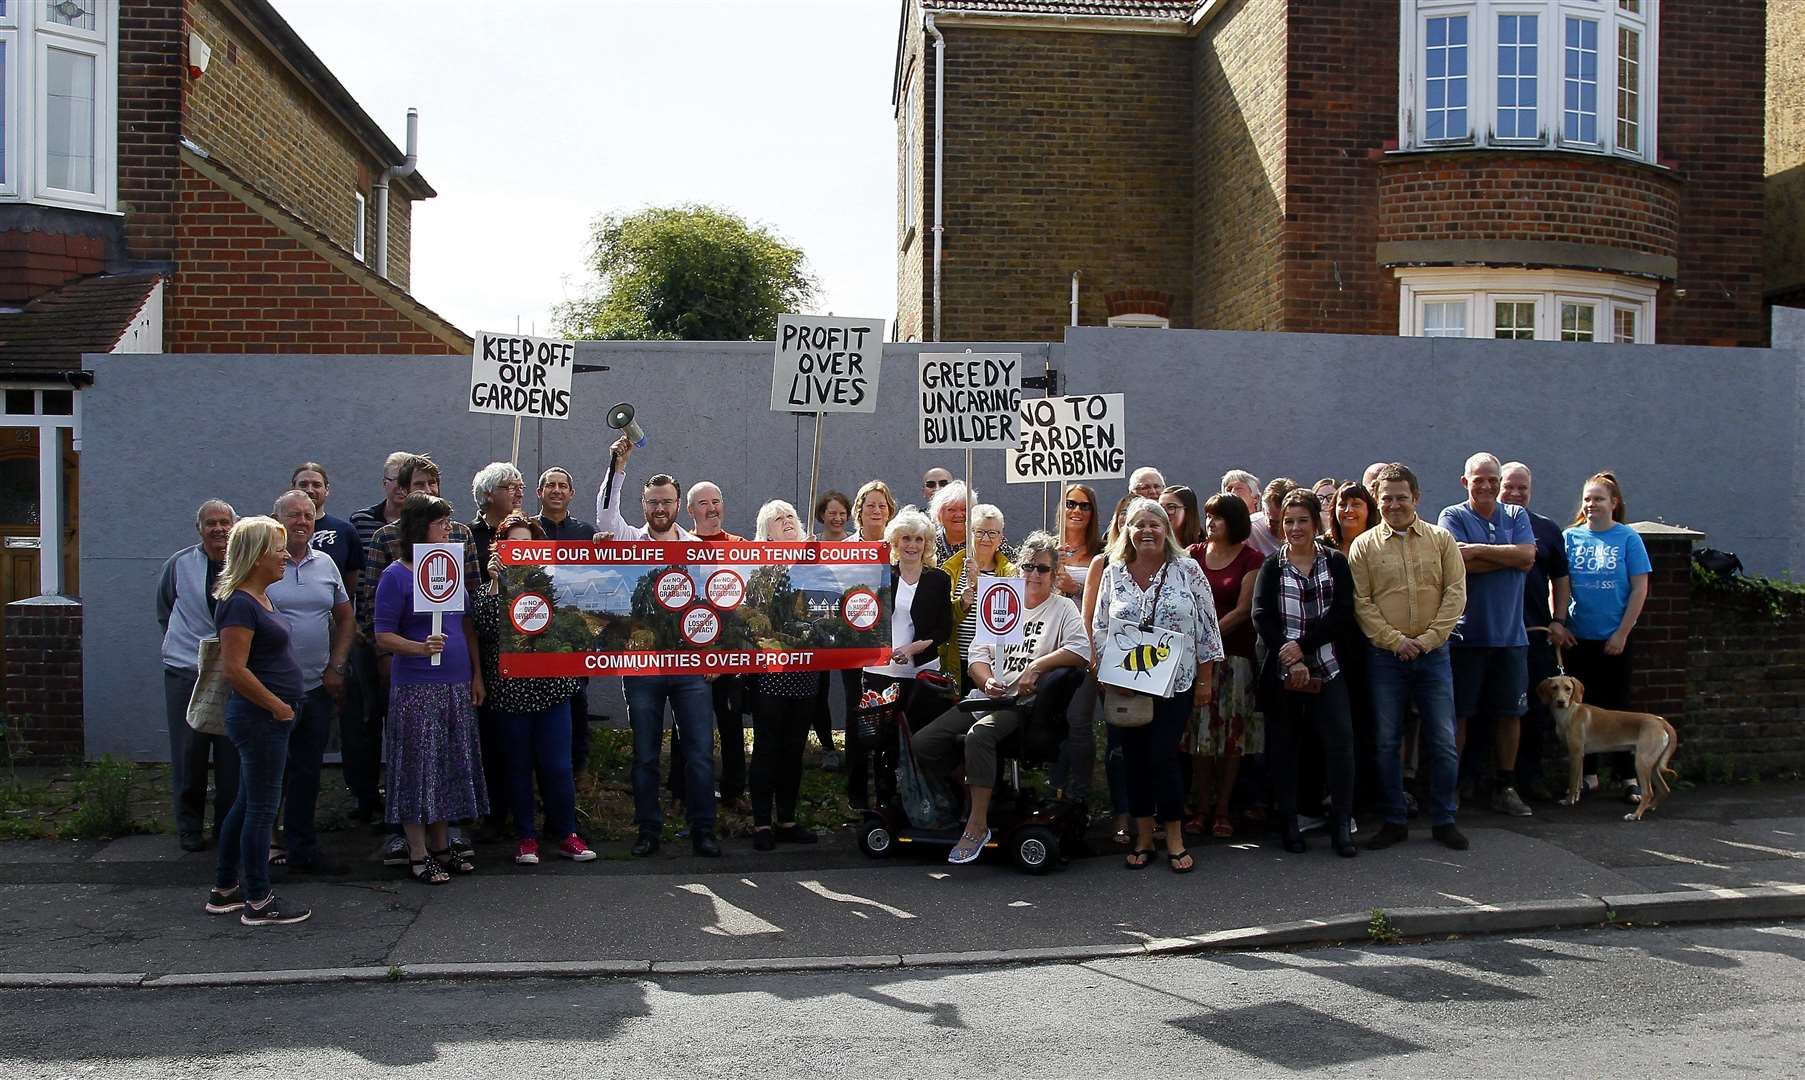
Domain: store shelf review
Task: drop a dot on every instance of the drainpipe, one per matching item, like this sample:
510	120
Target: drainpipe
380	254
1074	298
939	154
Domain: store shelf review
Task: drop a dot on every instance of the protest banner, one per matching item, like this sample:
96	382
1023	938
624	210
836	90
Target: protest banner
438	583
691	608
1002	608
826	365
970	401
515	375
1070	438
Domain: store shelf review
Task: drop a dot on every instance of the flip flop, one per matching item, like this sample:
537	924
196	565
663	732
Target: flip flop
1223	829
1145	855
1173	860
1121	838
278	856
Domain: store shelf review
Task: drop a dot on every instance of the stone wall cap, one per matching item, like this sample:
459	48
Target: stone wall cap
49	600
1661	528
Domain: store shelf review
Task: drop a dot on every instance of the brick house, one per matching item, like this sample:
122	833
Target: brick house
1577	170
175	176
1786	154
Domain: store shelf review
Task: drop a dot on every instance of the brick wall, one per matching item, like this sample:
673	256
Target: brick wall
1785	164
243	285
152	52
1064	151
1343	61
1498	195
1746	683
34	262
252	111
43	676
915	249
1662	635
1713	88
1237	169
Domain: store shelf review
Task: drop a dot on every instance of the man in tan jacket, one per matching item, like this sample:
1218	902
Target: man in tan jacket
1410	587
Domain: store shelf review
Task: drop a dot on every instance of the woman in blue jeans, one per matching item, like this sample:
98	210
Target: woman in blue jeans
532	717
260	714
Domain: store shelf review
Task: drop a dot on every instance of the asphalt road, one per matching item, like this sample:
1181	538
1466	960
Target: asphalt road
1697	1001
133	907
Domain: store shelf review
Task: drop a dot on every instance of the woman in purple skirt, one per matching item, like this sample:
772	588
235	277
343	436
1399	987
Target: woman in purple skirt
435	764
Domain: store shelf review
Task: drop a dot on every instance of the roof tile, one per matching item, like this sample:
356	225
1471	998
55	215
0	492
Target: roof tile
51	333
1125	9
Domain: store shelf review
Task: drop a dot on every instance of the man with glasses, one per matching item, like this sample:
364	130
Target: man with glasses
1147	482
688	695
931	483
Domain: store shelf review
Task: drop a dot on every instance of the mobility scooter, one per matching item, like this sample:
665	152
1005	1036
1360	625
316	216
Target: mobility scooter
1035	829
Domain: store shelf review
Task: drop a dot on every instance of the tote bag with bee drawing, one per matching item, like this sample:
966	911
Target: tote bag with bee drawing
1139	663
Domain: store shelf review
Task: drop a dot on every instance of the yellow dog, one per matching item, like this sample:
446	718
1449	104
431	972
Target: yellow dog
1588	729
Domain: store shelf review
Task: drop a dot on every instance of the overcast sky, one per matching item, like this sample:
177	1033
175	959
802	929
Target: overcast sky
536	115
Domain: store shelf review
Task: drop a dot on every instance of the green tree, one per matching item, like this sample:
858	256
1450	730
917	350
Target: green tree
686	273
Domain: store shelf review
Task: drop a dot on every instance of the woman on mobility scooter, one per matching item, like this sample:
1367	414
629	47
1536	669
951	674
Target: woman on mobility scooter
1054	638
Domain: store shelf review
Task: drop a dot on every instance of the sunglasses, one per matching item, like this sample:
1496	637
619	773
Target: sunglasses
1074	504
1036	568
935	483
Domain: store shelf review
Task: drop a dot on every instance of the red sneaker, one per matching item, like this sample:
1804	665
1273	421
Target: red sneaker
527	854
573	848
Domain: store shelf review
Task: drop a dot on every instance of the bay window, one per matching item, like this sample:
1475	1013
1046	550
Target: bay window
1560	74
58	88
1525	305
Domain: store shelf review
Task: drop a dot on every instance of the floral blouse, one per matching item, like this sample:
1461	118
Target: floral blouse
1186	606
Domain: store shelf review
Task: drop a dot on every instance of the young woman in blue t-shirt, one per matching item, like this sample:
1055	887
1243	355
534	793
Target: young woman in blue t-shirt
1609	568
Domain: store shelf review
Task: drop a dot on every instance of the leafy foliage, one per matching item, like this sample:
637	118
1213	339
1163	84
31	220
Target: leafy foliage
686	273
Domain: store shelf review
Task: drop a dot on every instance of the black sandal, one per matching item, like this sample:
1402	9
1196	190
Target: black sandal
453	860
1145	855
427	871
1172	861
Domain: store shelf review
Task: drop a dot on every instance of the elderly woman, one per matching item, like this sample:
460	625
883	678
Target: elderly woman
1149	579
1303	608
984	556
949	513
833	512
872	509
1054	638
1242	485
919	597
430	744
496	492
533	718
266	689
786	708
1230	728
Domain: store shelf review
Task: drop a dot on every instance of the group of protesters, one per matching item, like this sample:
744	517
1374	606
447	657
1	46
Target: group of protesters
1330	639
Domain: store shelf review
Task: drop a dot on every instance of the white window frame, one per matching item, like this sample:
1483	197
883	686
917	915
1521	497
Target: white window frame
912	160
1480	288
29	34
1466	322
358	226
1141	321
1482	73
1489	308
1601	315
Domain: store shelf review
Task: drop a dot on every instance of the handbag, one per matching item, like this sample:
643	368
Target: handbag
1127	708
207	704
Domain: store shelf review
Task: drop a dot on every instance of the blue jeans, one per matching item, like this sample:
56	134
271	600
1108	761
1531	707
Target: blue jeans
308	734
1428	681
539	742
244	837
692	704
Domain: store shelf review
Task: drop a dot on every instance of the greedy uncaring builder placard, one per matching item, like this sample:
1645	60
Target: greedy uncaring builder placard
1070	438
826	365
516	375
970	401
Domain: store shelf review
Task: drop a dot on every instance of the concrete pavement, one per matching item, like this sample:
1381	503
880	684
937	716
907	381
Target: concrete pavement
133	906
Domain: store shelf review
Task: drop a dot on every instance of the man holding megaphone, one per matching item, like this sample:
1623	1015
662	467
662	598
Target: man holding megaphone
692	703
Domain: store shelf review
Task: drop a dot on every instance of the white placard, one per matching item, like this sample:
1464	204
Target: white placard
1136	659
439	577
1002	611
516	375
1070	438
970	401
826	365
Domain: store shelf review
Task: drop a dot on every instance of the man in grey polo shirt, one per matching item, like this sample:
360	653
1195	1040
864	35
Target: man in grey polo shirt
311	597
185	611
1491	648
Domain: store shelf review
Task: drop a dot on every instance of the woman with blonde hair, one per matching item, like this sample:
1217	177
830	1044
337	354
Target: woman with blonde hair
266	688
872	509
984	555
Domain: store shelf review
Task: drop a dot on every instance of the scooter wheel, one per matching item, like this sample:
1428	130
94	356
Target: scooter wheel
876	841
1035	849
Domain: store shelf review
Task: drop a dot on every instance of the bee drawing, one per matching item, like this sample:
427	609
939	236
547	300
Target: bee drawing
1141	659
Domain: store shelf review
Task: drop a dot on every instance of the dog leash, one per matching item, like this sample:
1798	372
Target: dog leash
1560	664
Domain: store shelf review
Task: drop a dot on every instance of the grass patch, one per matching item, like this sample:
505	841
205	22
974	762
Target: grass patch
101	800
